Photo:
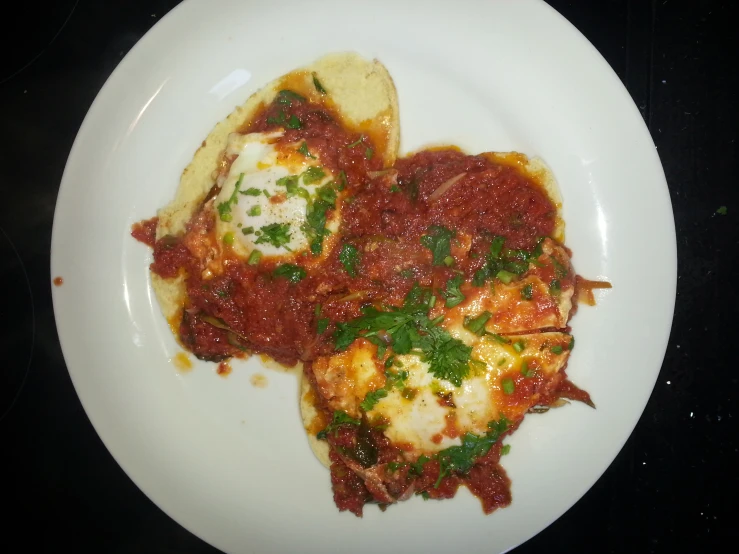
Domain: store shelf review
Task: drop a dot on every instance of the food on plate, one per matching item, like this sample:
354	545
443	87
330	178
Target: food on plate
428	298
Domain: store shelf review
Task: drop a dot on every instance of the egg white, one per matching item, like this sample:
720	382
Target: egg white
262	164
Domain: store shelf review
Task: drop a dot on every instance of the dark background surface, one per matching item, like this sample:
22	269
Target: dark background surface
673	488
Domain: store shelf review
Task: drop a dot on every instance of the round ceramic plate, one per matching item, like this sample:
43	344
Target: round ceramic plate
227	457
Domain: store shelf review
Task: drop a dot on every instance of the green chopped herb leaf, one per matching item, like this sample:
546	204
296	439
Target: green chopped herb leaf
556	349
477	324
287	97
439	242
395	380
452	294
251	192
448	358
322	325
291	272
417	466
496	247
290	182
372	398
368	153
395	188
449	261
555	288
723	210
500	338
254	211
349	258
279	120
224	208
572	343
505	450
394	466
254	257
518	346
508	385
461	458
304	150
339	418
318	85
313	175
276	234
527	291
294	123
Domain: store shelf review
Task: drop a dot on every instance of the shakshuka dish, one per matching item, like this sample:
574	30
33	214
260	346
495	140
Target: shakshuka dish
427	298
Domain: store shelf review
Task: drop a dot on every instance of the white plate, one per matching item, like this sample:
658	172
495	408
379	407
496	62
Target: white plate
230	461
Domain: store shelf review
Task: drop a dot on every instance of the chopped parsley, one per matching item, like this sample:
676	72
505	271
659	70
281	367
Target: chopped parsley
394	188
555	289
505	450
291	272
408	328
287	97
372	398
290	182
251	192
339	418
439	241
255	211
461	458
448	358
452	294
505	264
279	120
527	291
723	210
304	150
556	349
294	122
224	208
276	234
349	258
318	85
313	175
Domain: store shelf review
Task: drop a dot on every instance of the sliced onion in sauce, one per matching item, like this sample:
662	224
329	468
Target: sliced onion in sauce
445	186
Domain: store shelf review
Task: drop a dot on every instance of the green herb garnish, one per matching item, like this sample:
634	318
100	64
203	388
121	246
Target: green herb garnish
339	418
276	234
452	294
527	291
318	85
304	150
477	324
349	258
291	272
439	241
313	175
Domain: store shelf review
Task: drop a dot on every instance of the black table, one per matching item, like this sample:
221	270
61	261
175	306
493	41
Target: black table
673	488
